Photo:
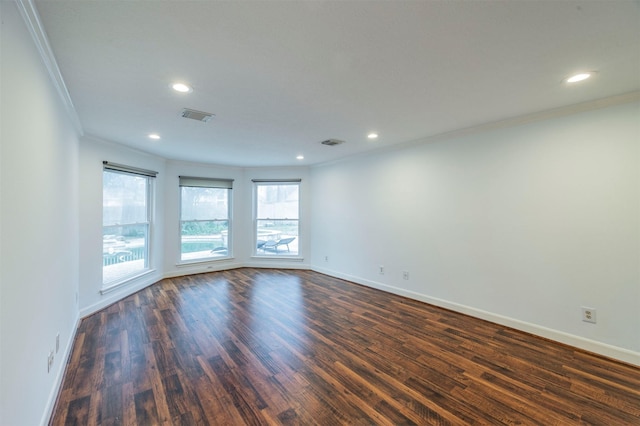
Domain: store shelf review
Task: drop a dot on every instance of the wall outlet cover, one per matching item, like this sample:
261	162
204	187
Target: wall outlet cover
588	315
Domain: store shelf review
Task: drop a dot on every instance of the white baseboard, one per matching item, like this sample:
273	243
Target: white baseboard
600	348
122	292
204	268
604	349
281	264
62	369
183	270
201	268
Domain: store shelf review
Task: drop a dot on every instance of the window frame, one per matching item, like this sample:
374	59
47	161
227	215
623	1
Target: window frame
277	255
149	177
212	183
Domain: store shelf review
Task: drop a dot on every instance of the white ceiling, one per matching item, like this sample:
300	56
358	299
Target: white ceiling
283	76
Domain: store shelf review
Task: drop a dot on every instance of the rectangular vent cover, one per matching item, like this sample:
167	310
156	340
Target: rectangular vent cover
332	142
197	115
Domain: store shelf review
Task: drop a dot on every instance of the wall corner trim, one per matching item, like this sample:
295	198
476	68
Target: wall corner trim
32	20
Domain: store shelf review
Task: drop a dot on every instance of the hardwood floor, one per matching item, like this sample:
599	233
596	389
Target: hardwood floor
256	346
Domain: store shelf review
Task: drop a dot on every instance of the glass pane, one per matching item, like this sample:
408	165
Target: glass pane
204	203
124	199
279	237
124	251
277	201
201	240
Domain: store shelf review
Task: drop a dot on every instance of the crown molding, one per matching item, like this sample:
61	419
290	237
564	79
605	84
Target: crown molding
624	98
32	19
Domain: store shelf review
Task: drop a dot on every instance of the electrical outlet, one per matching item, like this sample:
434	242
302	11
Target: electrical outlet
326	258
381	270
588	315
57	342
405	275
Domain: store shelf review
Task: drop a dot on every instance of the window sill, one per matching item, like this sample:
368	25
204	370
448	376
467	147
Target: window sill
187	263
116	285
279	257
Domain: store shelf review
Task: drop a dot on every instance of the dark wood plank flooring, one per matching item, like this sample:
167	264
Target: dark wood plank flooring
256	346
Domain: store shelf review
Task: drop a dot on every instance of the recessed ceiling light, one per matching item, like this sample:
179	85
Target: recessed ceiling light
182	88
372	135
578	77
154	136
300	157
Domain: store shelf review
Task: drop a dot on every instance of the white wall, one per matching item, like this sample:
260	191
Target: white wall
38	219
522	225
92	153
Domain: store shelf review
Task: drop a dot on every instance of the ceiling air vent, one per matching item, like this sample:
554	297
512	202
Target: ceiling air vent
197	115
332	142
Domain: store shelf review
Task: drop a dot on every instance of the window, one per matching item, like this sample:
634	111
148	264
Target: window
126	222
277	217
205	228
